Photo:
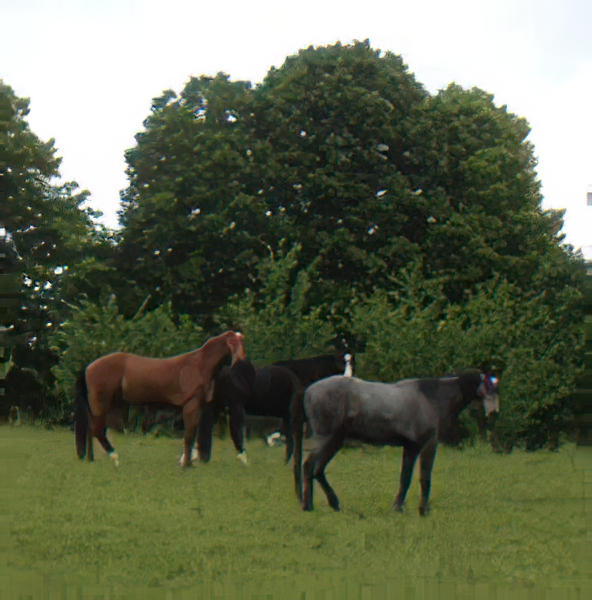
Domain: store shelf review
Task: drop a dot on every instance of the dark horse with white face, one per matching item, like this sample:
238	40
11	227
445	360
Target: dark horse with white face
266	392
309	370
408	414
245	389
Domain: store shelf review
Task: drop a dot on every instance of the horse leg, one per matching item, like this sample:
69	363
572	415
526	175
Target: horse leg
204	434
324	456
236	418
307	483
90	451
426	461
297	464
287	427
191	421
409	457
149	418
314	468
99	430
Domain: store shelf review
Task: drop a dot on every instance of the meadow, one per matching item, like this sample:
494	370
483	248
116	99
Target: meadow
508	519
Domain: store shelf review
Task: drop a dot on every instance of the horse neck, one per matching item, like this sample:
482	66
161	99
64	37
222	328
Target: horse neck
453	397
211	353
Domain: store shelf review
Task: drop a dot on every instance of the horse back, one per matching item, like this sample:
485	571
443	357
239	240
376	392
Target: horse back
139	379
272	391
309	370
373	412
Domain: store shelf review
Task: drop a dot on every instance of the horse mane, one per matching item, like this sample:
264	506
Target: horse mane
469	380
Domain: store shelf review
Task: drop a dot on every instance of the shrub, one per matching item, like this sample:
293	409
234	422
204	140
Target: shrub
93	331
533	346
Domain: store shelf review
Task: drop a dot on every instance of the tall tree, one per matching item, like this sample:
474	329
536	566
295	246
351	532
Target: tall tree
341	152
50	230
478	209
337	119
192	217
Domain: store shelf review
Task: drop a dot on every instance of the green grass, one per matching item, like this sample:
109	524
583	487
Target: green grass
502	518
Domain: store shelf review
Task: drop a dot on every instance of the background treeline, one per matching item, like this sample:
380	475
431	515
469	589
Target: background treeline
337	199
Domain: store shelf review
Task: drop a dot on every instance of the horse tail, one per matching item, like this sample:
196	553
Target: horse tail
297	418
81	413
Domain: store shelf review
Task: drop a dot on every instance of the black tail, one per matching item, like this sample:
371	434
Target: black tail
81	412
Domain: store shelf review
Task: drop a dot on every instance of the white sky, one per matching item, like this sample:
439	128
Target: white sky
91	68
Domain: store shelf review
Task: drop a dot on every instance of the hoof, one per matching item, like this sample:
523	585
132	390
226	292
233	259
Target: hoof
307	507
398	508
242	457
335	506
194	457
115	458
424	511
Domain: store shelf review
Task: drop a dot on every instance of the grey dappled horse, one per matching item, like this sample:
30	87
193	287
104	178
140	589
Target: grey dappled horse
408	413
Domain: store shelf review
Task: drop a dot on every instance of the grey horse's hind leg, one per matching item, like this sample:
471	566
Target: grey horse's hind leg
426	459
307	485
314	467
410	454
327	452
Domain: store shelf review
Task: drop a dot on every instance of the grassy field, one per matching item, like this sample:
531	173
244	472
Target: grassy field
501	518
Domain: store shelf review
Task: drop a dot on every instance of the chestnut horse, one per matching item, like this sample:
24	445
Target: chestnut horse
185	381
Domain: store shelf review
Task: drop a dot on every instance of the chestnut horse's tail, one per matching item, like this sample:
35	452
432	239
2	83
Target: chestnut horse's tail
81	414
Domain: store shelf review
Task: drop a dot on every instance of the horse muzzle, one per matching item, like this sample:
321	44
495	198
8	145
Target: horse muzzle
491	404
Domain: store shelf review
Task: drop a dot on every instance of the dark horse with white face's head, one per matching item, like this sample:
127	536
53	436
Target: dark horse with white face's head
247	390
408	414
272	391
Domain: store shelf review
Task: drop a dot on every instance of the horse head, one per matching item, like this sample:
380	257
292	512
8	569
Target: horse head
487	391
235	344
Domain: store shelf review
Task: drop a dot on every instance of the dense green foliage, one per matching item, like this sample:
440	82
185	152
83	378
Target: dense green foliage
52	234
533	346
342	152
93	331
277	322
495	518
337	199
192	220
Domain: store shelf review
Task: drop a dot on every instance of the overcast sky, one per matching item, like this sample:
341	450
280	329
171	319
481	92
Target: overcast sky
91	68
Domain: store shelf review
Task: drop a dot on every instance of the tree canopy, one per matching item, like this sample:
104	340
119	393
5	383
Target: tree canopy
49	230
338	198
341	152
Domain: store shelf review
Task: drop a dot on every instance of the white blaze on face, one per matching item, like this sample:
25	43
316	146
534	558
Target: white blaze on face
491	404
488	393
348	368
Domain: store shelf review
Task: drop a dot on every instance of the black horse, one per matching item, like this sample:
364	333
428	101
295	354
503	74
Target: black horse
244	389
408	414
309	370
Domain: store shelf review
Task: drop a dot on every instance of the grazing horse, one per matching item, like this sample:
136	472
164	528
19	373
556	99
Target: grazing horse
408	414
244	389
272	391
184	381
